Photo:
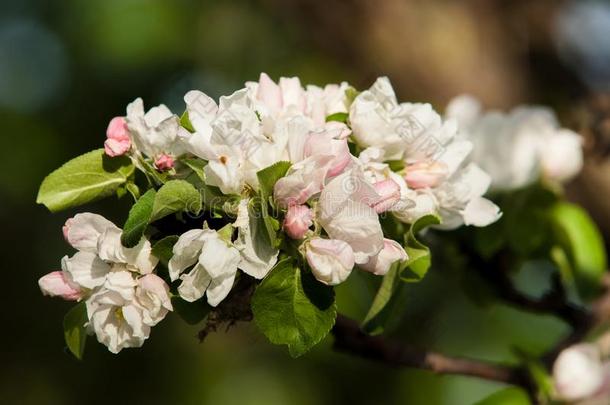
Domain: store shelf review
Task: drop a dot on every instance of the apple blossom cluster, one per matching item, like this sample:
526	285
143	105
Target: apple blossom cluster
519	147
123	296
277	172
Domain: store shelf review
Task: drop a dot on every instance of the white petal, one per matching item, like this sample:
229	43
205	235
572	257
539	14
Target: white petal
86	269
345	214
392	252
454	154
331	260
84	230
218	258
194	284
481	212
121	282
140	257
465	109
186	251
219	289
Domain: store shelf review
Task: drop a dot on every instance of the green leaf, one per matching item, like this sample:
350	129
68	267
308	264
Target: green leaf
191	312
74	329
267	179
84	179
339	117
269	176
418	263
388	296
133	189
350	94
583	245
226	233
507	396
176	196
163	249
217	202
381	308
291	308
138	219
185	121
396	165
196	165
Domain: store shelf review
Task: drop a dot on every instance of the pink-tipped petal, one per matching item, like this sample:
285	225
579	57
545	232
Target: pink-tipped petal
425	174
331	260
389	194
56	284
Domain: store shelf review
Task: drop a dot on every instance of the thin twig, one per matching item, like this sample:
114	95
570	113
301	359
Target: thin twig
351	340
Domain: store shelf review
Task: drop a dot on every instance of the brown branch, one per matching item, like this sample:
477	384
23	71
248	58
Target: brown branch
350	339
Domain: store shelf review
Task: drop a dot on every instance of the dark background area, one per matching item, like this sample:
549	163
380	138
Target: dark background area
67	67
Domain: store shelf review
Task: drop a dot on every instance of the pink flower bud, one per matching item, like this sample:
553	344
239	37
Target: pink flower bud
298	220
56	284
164	162
331	260
389	193
118	141
425	174
391	253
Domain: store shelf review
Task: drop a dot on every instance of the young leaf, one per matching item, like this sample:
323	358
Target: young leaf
507	396
269	176
176	196
217	202
87	178
196	165
185	121
267	179
226	233
582	242
163	249
377	317
411	270
291	308
339	117
74	329
138	219
418	263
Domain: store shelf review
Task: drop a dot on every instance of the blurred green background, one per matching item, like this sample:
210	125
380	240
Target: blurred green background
67	67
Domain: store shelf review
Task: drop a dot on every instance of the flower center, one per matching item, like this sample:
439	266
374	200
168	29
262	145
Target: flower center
118	313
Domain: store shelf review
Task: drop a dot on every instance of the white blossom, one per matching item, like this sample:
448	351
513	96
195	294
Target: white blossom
123	298
215	265
157	132
345	213
331	260
518	147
